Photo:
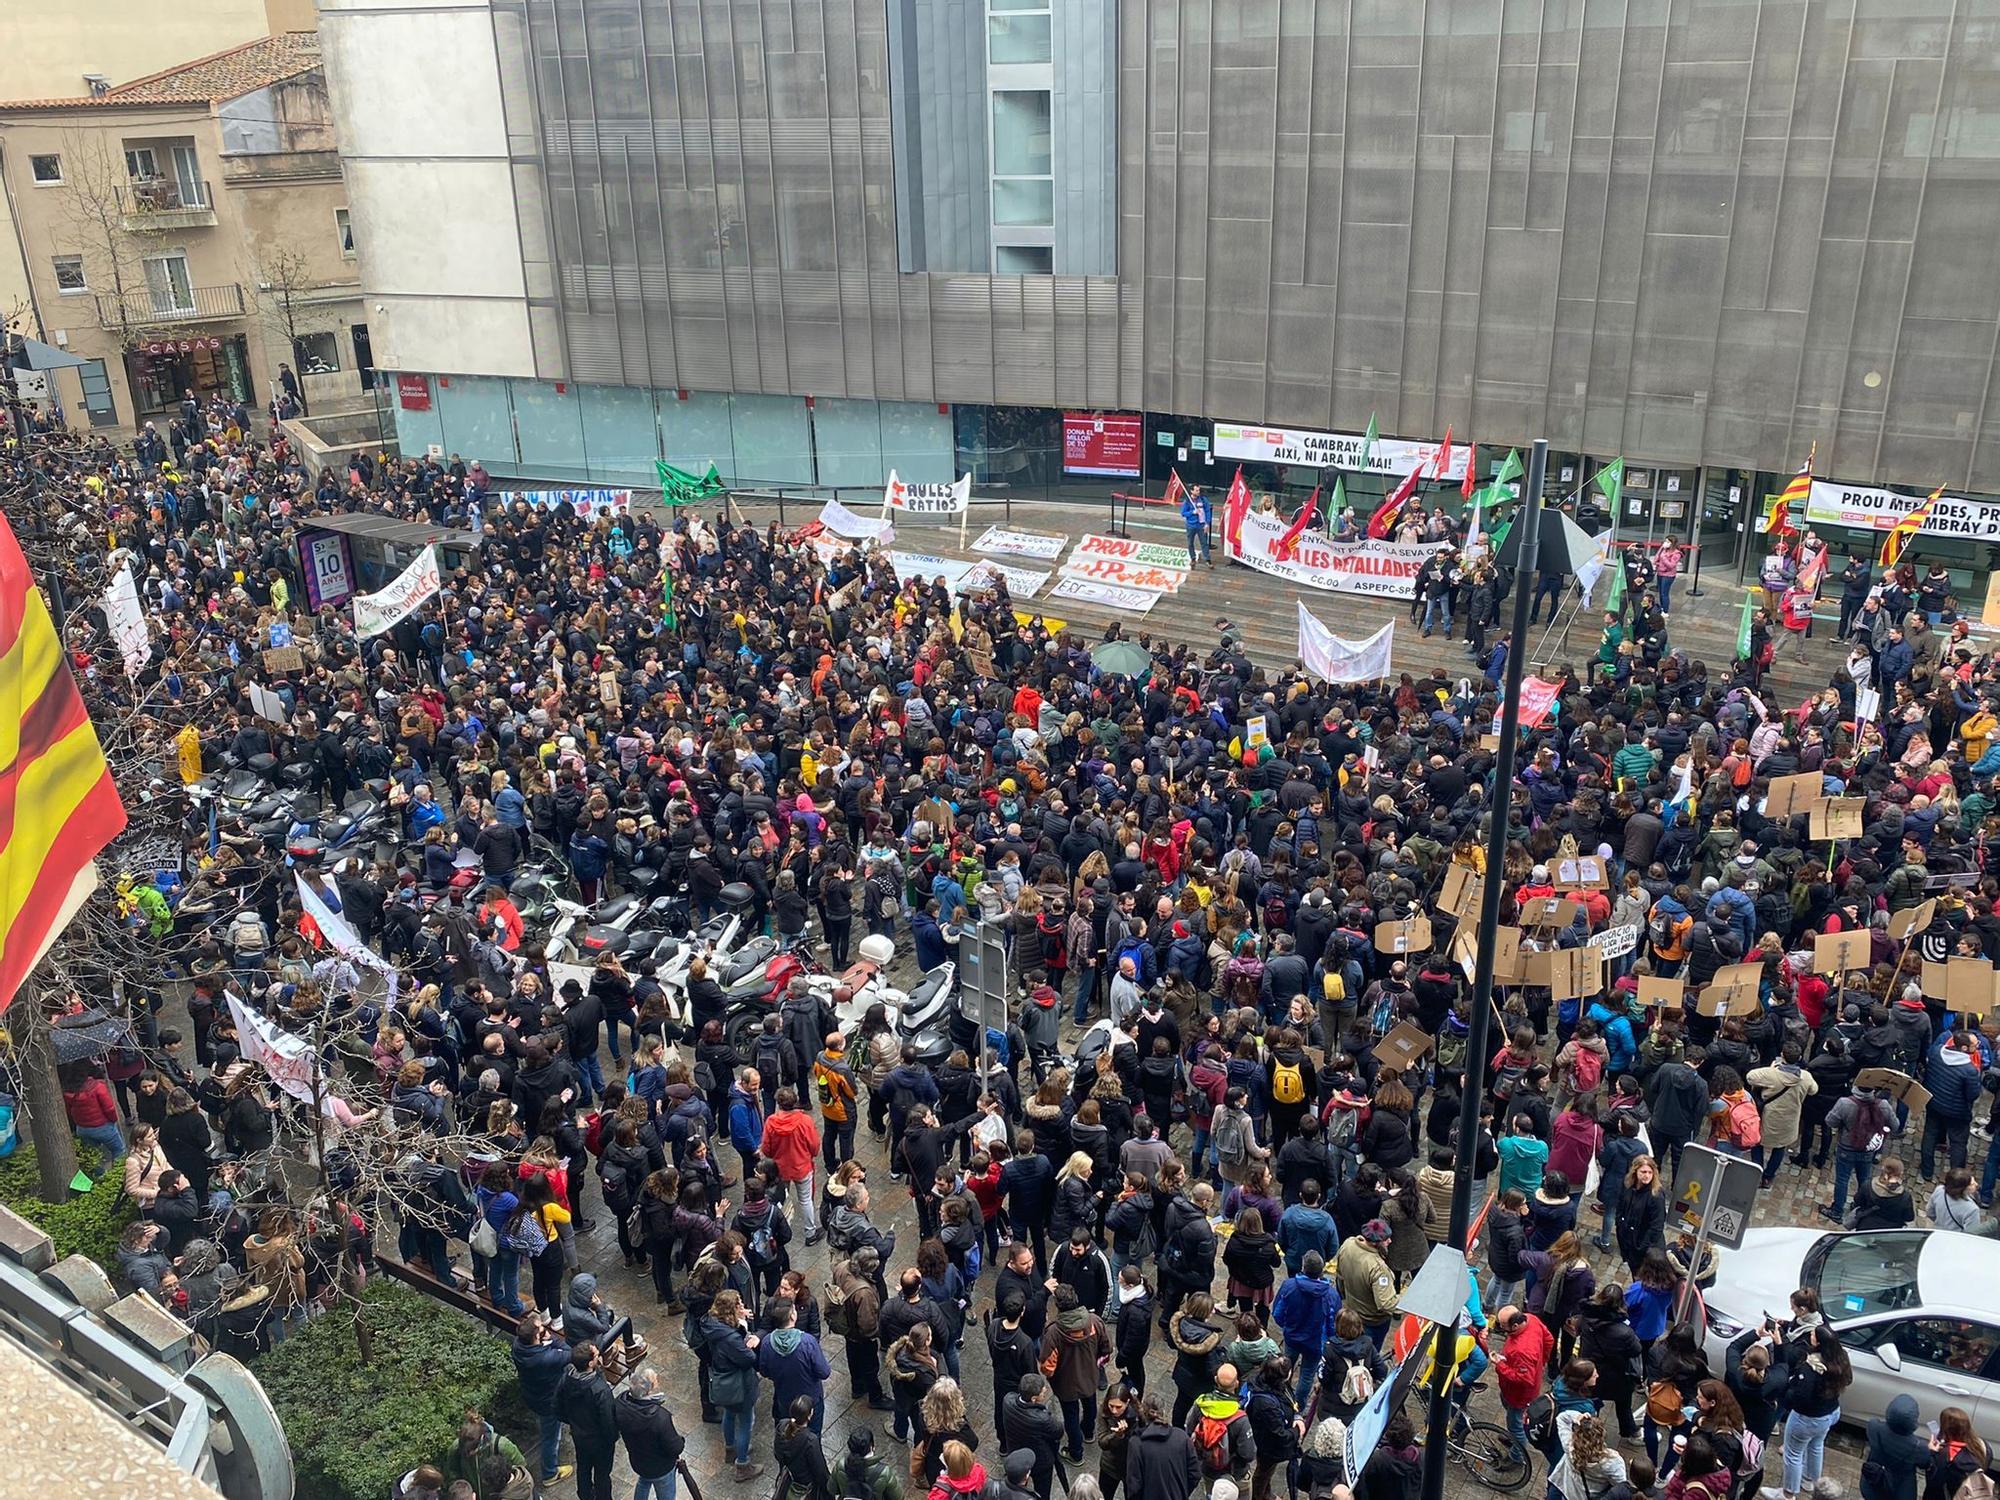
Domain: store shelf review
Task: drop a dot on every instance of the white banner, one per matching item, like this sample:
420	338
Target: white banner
1386	570
1616	942
1332	659
926	567
1106	595
841	521
1039	545
287	1058
342	938
1150	554
928	499
376	612
122	612
590	504
1869	509
1332	450
1151	577
1022	583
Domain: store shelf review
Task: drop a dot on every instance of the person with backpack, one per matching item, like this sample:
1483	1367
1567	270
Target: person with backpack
838	1092
1860	1125
1782	1090
1187	1254
1291	1083
1897	1452
1234	1136
1363	1277
1583	1060
1223	1439
852	1304
1737	1128
1134	1326
863	1474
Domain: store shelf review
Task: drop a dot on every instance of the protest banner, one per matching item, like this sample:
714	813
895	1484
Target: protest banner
1384	570
377	612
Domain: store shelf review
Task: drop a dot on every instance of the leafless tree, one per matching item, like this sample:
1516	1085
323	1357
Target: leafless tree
102	223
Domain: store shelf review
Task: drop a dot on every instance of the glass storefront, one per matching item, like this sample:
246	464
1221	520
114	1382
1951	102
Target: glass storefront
160	371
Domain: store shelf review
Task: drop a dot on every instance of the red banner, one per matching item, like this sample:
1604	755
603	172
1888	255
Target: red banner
414	392
1102	443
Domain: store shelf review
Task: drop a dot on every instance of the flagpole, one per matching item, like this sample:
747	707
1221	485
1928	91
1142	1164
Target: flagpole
1480	1021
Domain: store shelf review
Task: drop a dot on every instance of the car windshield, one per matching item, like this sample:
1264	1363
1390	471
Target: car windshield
1859	1274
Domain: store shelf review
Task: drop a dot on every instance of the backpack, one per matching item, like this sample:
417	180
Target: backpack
1663	1403
1276	913
1341	1125
704	1075
998	1045
1288	1084
771	1054
1357	1385
839	1313
1332	987
1659	929
1539	1418
1452	1049
1586	1070
525	1235
1211	1441
1745	1128
1055	940
1869	1134
1232	1145
829	1084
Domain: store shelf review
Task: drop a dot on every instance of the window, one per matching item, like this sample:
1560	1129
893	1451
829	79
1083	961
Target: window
1023	260
46	169
141	165
1857	1275
1021	144
1019	39
343	228
1946	1343
318	353
167	284
69	274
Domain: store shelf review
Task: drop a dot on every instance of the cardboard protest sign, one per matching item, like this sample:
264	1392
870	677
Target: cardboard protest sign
1721	1000
1568	972
1835	818
1585	871
1670	993
1462	893
1968	985
1403	1046
1839	952
1911	920
284	659
1508	965
1793	794
1548	911
1410	936
1898	1086
1934	979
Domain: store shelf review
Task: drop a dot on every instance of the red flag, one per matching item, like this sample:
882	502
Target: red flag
1235	506
1176	491
1383	522
1471	485
1289	542
1444	452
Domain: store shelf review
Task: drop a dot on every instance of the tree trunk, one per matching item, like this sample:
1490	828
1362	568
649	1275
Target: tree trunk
48	1121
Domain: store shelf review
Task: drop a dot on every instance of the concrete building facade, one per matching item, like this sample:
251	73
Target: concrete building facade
1704	234
189	231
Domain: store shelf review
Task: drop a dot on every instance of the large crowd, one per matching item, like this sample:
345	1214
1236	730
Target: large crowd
1185	1149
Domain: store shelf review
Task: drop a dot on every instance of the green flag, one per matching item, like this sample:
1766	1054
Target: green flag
1369	439
667	598
678	487
1610	482
1510	468
1743	626
1497	537
1335	507
1617	596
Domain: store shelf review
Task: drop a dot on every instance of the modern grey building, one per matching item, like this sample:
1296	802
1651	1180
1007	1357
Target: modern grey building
816	239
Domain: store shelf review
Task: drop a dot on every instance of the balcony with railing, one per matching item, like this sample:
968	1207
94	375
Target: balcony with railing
172	303
166	203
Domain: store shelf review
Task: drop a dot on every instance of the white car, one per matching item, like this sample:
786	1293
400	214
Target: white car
1918	1310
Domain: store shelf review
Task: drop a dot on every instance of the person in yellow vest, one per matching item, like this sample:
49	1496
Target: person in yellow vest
1976	733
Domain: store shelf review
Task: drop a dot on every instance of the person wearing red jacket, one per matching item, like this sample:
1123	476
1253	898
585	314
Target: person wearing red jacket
93	1115
1520	1366
791	1139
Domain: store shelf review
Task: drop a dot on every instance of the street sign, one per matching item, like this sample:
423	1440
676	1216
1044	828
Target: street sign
983	986
1714	1195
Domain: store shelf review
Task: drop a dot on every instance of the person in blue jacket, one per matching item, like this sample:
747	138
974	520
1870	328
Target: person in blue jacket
746	1119
540	1358
1616	1028
1199	517
1304	1312
1952	1074
793	1361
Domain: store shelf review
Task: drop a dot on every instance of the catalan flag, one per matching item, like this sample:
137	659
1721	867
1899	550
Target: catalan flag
58	804
1898	539
1795	494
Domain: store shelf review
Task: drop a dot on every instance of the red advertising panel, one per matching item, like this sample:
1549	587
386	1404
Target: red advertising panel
414	391
1102	443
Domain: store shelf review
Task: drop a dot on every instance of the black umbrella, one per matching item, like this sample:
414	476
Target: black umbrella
88	1033
1565	546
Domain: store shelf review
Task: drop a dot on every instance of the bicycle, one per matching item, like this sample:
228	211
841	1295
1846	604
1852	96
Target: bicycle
1484	1450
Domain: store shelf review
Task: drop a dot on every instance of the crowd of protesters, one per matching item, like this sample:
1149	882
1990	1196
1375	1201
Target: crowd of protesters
1232	1189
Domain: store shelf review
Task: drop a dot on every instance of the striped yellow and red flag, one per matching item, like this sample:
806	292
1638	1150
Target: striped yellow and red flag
58	803
1898	539
1792	499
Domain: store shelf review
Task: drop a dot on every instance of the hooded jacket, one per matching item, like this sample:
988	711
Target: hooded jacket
585	1402
1897	1452
1197	1347
583	1323
1079	1343
1365	1281
1304	1312
652	1443
539	1370
1952	1076
1161	1464
1216	1406
792	1141
794	1363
